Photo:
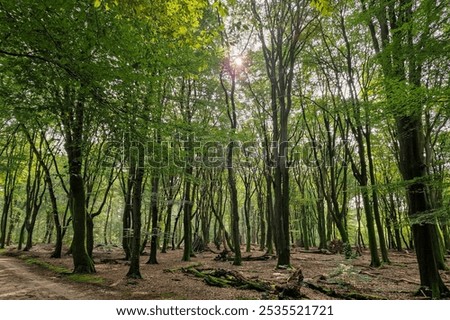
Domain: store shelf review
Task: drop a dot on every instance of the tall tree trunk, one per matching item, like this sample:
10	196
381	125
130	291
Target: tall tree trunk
74	148
8	194
170	197
376	209
187	215
261	212
413	172
235	234
269	213
321	228
229	70
168	224
154	210
107	221
138	177
127	212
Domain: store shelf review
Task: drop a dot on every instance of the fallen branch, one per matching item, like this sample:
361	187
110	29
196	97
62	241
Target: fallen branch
378	275
321	251
195	265
341	295
225	255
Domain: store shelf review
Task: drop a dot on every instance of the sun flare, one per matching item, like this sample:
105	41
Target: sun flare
239	62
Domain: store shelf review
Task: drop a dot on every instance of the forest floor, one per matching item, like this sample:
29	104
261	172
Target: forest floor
34	275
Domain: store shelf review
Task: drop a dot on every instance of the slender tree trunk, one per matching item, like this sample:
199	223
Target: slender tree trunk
154	209
269	214
51	191
107	221
261	215
247	209
321	228
230	71
234	206
187	215
9	187
134	270
127	213
168	224
376	210
175	225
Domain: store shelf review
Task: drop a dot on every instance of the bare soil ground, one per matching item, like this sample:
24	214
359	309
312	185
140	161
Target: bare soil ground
330	276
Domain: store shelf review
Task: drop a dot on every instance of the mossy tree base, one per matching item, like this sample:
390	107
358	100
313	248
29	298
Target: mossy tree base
84	269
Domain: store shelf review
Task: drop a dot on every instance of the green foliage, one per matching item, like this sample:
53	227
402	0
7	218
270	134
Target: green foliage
323	6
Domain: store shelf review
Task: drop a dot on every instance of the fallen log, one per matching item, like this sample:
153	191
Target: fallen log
229	278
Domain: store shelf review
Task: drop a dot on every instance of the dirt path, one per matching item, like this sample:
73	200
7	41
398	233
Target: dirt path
20	281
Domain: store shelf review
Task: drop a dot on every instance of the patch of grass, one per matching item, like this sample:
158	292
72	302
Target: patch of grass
85	278
46	265
2	251
80	278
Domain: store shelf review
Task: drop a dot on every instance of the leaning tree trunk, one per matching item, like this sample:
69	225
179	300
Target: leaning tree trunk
51	191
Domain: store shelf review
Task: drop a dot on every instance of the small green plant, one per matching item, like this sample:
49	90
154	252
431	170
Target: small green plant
348	252
342	269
